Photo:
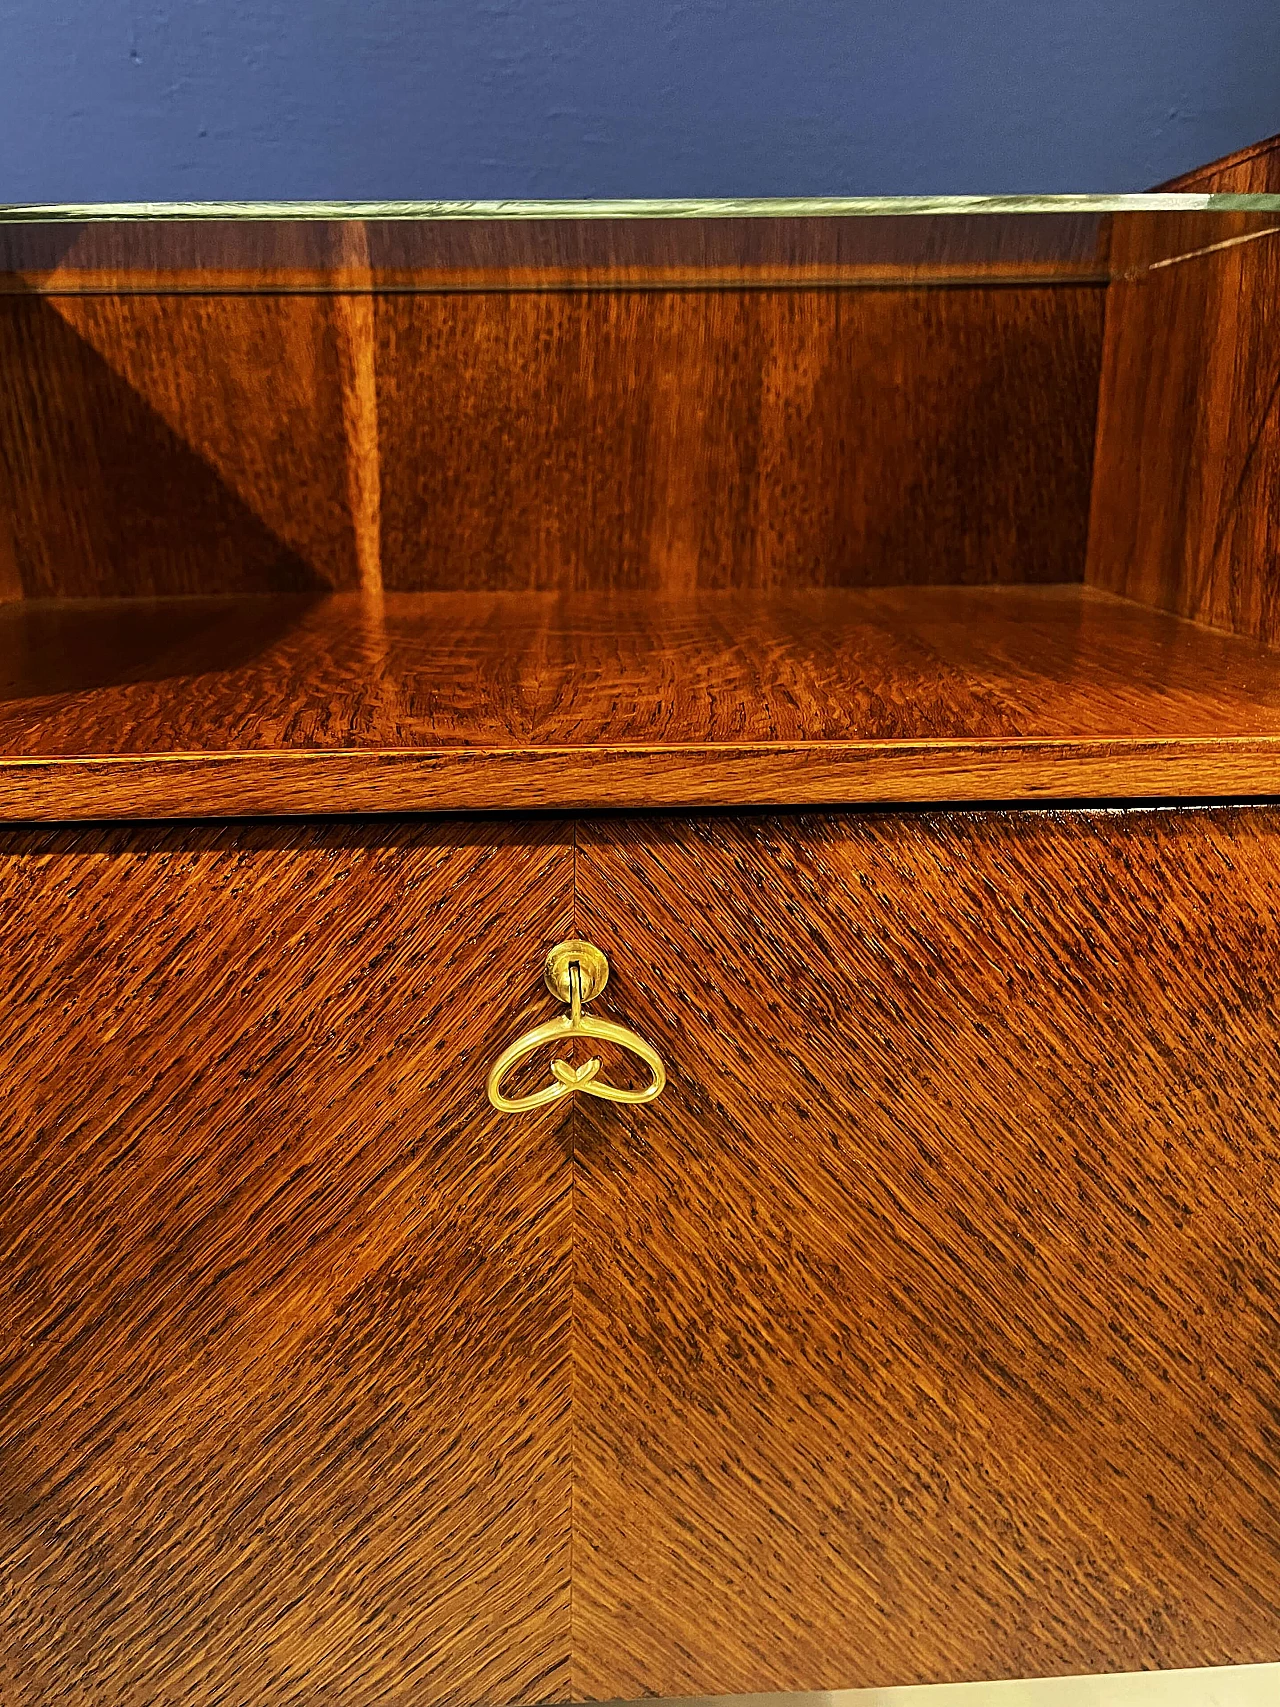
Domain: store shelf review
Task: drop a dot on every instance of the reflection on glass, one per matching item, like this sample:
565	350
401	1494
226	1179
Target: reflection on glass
431	246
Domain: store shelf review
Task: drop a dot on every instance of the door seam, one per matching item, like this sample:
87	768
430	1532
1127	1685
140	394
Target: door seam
573	1331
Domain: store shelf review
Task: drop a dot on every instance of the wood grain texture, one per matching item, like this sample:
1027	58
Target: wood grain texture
176	445
757	439
655	439
284	1380
1187	465
503	670
451	701
927	1322
923	1329
539	779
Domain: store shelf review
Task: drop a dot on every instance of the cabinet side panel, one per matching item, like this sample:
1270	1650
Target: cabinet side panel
669	440
1254	170
283	1328
925	1327
1186	489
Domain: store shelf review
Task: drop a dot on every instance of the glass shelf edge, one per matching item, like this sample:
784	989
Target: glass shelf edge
797	207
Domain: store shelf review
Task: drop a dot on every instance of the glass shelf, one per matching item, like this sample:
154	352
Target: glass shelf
343	247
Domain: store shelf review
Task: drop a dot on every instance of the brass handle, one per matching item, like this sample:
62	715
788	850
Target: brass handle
575	973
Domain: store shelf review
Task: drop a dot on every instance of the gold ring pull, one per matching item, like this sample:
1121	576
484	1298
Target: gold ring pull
576	972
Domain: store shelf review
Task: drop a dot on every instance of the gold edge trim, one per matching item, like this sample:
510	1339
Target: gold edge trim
981	746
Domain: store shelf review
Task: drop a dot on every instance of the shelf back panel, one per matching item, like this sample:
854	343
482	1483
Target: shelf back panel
640	396
668	440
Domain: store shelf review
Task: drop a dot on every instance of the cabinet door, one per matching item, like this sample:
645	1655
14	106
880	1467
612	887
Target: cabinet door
927	1325
283	1305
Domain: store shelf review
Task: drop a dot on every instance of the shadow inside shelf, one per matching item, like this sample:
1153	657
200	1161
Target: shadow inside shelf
71	646
101	492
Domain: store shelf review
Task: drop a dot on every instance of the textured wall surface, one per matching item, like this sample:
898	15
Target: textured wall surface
145	99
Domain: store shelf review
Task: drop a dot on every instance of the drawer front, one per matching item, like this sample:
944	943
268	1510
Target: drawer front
284	1307
926	1326
921	1329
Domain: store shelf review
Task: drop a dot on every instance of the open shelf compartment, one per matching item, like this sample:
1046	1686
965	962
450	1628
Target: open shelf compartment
458	508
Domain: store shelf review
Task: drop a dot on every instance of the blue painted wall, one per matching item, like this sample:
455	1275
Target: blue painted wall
141	99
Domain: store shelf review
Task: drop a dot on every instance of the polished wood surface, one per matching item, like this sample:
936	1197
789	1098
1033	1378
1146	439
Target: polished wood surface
927	1321
655	440
1188	450
538	779
170	445
736	439
1249	171
493	671
447	701
284	1307
924	1328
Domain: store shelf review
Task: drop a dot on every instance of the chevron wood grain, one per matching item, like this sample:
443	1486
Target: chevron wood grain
925	1326
284	1313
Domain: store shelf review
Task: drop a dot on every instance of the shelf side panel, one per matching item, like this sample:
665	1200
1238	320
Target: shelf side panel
1187	463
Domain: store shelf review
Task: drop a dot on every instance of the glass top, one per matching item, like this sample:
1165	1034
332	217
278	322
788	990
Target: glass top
550	245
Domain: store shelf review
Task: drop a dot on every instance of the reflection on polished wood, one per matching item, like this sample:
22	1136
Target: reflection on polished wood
153	446
489	700
490	670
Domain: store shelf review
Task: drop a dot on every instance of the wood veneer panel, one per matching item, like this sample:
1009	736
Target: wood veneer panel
447	701
1249	171
537	779
501	671
926	1324
168	444
675	440
657	439
1187	467
284	1376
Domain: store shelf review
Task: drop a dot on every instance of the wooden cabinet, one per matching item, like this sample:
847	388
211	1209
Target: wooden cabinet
858	621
